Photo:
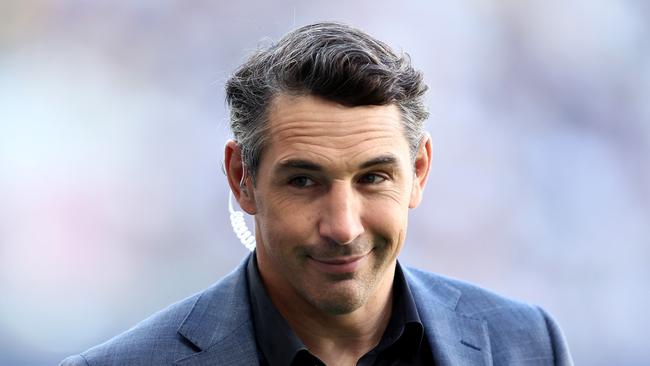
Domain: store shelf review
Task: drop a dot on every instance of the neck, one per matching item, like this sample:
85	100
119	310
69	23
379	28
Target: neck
339	339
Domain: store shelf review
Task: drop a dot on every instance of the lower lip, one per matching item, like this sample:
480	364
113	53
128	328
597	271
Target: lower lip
339	268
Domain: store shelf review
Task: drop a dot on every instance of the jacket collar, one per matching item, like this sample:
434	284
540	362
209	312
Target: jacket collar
219	324
453	336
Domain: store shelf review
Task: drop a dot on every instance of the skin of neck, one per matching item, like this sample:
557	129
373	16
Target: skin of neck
339	339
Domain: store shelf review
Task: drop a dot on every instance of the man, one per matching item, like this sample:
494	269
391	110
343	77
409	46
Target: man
329	154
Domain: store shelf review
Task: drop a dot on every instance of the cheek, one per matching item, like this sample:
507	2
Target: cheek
388	219
283	226
289	216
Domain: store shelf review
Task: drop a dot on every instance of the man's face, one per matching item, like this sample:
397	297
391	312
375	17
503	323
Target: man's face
331	199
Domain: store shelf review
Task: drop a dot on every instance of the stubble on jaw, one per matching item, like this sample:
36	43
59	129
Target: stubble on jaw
335	300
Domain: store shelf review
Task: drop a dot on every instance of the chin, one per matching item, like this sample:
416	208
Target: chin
340	298
340	306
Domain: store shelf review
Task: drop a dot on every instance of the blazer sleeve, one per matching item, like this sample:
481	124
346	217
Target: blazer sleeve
561	353
77	360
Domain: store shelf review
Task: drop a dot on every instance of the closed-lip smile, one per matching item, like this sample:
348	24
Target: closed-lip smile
338	265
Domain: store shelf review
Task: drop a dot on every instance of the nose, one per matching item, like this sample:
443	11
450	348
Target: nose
340	219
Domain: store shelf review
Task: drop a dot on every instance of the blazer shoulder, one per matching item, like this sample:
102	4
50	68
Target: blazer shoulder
469	299
76	360
513	326
178	331
137	345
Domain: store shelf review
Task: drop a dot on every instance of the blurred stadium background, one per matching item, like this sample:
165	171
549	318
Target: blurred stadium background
112	124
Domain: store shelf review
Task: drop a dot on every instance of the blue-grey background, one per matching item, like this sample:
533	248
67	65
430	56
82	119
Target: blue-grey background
112	125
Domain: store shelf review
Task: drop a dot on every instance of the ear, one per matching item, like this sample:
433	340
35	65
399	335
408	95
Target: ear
240	181
422	166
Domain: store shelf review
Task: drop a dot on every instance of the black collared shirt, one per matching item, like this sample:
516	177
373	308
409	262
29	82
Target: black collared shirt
403	341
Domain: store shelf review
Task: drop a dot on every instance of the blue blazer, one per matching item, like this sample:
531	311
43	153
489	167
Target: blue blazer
464	324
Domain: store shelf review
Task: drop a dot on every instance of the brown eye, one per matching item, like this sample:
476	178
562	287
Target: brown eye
371	179
301	182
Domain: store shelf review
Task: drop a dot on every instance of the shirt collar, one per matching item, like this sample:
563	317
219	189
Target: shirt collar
280	345
404	325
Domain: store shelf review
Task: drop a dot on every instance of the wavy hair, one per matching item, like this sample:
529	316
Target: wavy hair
333	61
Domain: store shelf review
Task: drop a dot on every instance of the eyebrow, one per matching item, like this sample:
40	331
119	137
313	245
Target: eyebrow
380	160
387	159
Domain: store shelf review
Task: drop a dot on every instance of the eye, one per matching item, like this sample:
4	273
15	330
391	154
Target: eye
301	182
371	179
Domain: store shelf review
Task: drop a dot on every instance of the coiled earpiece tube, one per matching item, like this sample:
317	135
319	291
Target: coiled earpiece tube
239	226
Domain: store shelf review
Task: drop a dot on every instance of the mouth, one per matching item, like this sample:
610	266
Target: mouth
339	265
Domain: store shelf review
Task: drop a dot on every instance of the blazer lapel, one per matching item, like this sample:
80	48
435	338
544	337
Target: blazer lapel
219	325
235	350
455	339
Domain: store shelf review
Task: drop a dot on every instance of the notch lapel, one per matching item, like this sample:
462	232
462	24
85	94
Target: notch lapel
220	325
237	349
455	338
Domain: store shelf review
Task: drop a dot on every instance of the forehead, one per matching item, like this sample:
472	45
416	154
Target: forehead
312	127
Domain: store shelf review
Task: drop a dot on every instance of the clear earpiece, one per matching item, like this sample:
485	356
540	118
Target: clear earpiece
239	226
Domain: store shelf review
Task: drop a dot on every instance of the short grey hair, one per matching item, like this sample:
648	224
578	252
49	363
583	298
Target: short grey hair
333	61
